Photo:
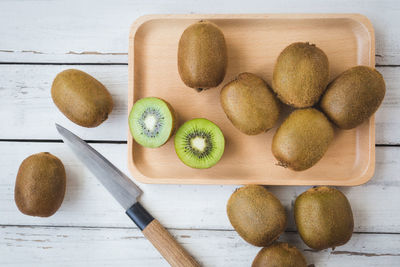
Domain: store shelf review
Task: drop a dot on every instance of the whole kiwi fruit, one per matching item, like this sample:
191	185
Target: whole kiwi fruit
250	104
81	98
256	215
40	185
302	139
202	56
323	217
301	74
353	96
279	254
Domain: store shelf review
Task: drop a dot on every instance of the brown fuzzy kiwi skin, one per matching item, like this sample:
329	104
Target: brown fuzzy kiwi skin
174	120
300	75
302	139
354	96
279	254
81	98
202	56
256	215
250	104
40	185
323	217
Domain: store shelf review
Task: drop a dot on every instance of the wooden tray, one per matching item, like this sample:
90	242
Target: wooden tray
254	42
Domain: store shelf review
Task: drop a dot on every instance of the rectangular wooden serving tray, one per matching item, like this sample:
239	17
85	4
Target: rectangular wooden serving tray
254	41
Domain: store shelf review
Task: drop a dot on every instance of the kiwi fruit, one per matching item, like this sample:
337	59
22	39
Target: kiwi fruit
202	56
301	74
302	139
256	215
81	98
279	254
323	217
353	96
40	185
199	143
152	121
250	104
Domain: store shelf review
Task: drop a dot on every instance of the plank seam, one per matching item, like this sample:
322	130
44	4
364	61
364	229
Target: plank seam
177	229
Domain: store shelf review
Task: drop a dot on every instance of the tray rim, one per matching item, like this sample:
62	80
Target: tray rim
351	181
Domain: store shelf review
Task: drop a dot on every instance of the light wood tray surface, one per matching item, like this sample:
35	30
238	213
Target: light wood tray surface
254	42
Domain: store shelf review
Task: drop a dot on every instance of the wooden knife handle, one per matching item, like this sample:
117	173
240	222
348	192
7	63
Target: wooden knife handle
168	247
161	239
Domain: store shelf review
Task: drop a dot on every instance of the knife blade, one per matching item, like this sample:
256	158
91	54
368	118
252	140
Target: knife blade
126	192
116	182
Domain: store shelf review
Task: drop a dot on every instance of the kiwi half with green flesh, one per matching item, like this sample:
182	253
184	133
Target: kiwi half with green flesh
199	143
152	121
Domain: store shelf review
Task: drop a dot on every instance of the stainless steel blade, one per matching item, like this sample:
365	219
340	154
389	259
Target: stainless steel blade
117	183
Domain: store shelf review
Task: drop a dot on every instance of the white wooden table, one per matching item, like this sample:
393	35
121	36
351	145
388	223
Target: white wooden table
40	38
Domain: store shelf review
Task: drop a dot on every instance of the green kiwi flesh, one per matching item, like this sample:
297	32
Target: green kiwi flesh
152	122
199	143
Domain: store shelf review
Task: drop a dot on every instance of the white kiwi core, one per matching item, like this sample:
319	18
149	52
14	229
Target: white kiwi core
150	122
199	143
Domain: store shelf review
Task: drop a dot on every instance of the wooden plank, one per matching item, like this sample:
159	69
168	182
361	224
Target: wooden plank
387	120
96	31
87	203
39	246
27	110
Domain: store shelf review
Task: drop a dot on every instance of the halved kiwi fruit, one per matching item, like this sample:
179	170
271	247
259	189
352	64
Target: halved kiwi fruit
152	122
199	143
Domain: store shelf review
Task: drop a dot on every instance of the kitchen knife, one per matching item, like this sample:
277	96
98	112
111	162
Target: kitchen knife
127	193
